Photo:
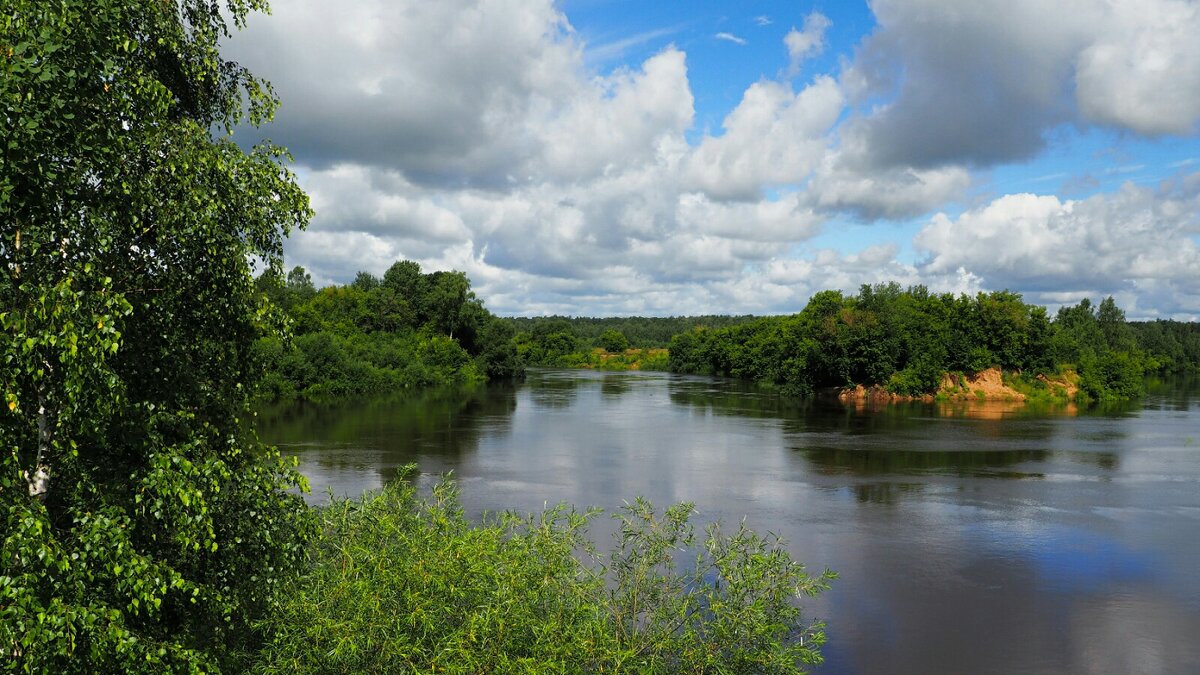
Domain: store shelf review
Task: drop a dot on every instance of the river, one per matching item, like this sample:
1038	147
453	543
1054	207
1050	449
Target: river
968	538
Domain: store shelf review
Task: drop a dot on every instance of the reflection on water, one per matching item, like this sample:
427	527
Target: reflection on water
970	537
894	462
554	393
350	446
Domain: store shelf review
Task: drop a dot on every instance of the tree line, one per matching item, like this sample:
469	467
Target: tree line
908	339
635	342
641	332
404	330
409	329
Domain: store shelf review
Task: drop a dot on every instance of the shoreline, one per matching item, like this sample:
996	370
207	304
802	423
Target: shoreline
986	385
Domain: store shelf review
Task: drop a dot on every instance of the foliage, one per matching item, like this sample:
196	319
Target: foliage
613	341
909	339
1173	346
642	331
144	529
404	331
403	584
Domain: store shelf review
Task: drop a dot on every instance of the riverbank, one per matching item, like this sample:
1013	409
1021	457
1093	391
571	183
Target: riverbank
991	384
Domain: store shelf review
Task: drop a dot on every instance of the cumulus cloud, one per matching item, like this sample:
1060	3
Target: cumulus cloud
1137	237
353	198
481	135
450	91
774	136
807	42
788	218
618	122
1130	76
844	183
982	83
974	83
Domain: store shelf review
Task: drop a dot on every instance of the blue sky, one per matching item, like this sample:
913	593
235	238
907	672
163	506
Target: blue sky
597	157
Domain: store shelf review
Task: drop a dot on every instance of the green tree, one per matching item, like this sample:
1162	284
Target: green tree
613	341
366	282
144	529
1117	333
446	301
300	285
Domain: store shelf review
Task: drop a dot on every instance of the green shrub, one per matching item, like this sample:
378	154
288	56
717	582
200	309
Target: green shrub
655	360
403	584
613	341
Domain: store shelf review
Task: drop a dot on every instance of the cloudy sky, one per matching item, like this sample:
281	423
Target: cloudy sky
614	157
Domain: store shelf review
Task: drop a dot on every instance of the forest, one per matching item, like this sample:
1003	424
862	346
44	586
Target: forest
907	340
400	331
409	329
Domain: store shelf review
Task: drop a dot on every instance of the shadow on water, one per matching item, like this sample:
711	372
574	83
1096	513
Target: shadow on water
1000	464
444	421
613	388
357	444
1176	393
994	439
552	391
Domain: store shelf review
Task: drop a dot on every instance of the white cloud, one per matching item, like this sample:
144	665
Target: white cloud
382	203
842	183
807	42
1137	237
983	83
449	91
773	137
730	37
786	219
479	135
619	121
616	49
1136	73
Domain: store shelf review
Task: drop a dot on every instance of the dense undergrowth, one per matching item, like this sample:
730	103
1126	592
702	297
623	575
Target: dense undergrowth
558	342
401	583
406	330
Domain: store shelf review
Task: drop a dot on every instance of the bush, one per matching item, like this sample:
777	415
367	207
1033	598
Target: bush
613	341
655	360
402	584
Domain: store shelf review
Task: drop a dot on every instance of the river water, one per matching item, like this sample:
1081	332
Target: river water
980	538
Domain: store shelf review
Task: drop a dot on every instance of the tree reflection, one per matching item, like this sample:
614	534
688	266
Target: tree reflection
553	390
614	387
380	435
884	462
884	493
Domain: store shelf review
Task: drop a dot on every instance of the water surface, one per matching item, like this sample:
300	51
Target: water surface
981	538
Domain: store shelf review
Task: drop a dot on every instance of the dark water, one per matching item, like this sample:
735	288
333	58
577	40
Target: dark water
968	539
